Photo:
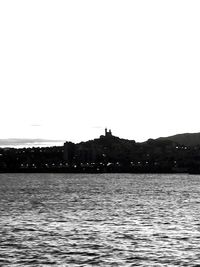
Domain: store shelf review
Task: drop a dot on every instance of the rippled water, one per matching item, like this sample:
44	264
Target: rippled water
99	220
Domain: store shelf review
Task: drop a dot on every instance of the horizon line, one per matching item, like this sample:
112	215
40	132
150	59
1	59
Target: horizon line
42	142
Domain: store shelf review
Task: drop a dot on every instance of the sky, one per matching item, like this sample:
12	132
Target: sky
68	69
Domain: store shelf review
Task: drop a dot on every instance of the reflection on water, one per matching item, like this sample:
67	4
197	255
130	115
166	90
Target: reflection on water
99	220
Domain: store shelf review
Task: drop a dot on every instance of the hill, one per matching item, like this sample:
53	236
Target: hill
109	153
187	139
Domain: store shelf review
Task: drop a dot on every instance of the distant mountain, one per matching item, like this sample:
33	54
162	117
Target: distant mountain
187	139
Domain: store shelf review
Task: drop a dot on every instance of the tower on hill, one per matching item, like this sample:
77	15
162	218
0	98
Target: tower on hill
108	133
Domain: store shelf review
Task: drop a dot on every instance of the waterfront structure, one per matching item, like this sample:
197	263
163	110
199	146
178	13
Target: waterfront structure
69	151
78	153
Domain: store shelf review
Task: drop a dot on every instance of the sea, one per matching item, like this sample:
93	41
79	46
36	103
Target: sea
99	220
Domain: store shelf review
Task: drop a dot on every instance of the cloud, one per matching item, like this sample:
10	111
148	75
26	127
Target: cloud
28	142
97	127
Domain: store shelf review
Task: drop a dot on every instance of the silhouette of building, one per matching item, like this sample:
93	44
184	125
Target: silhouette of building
79	153
108	133
85	154
69	151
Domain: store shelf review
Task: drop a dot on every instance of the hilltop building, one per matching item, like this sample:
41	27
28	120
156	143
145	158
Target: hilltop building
108	133
81	153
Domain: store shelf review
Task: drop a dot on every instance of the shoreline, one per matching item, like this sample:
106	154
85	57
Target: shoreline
92	172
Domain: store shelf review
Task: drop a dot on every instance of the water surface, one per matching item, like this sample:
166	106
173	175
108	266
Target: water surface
99	220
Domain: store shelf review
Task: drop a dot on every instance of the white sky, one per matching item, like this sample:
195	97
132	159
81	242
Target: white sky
70	68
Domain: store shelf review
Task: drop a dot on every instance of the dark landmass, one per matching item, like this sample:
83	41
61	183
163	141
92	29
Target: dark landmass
187	139
108	154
